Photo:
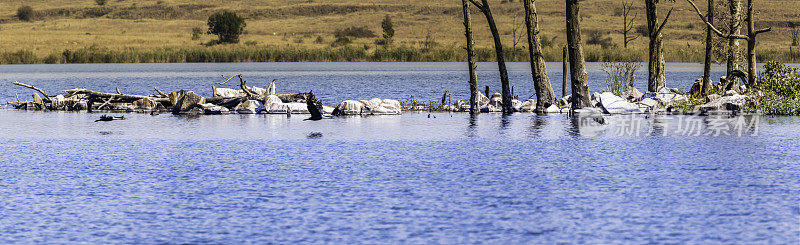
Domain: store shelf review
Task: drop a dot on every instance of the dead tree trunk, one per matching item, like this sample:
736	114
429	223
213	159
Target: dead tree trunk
580	85
628	23
709	46
655	66
751	44
498	47
473	75
735	26
752	33
564	67
541	81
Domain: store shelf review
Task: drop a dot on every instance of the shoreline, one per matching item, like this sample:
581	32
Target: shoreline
350	53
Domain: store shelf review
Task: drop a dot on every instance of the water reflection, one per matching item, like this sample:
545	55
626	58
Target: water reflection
505	121
473	126
538	122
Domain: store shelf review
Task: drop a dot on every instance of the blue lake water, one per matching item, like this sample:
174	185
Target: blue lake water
415	178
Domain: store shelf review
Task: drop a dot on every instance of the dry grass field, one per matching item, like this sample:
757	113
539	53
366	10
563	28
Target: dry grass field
297	24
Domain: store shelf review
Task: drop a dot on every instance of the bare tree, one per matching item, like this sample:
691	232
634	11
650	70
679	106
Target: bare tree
655	66
709	49
516	36
752	33
580	83
541	81
473	75
628	23
795	33
498	48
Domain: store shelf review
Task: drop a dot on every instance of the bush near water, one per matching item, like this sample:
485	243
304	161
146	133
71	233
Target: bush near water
780	85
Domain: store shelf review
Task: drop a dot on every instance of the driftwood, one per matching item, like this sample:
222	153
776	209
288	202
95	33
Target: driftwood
119	97
47	97
85	99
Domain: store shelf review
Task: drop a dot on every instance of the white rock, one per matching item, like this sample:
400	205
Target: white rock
249	107
388	107
588	111
491	108
297	108
350	107
276	108
272	99
58	101
211	109
613	104
227	92
482	100
392	104
327	109
649	102
552	109
527	106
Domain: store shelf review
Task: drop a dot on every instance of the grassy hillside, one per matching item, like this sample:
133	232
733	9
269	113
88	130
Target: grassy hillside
165	25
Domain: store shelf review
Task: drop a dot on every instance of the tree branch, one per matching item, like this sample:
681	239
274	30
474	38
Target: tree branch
478	5
664	23
32	87
160	93
763	30
714	29
229	79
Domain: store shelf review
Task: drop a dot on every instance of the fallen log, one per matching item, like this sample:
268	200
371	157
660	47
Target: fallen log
118	97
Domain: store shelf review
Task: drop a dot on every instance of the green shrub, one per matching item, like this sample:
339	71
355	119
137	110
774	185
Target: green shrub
388	29
780	85
779	79
196	33
341	41
25	13
354	31
100	2
227	26
598	38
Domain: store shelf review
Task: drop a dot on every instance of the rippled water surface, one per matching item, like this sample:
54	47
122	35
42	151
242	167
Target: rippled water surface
415	178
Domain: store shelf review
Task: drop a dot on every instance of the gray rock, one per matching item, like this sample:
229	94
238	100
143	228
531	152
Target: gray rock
528	106
733	103
145	104
696	86
80	106
565	101
187	102
497	100
634	94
